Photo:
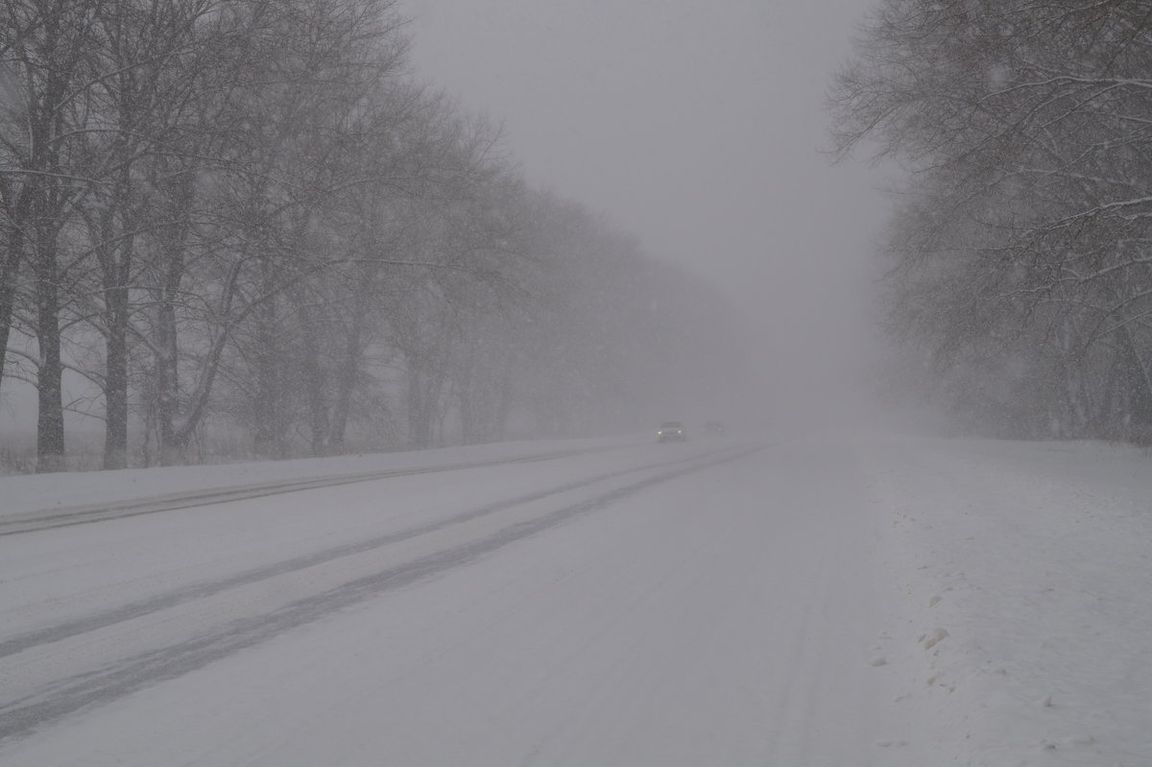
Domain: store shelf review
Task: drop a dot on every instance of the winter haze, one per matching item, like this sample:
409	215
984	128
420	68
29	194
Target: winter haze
701	128
649	383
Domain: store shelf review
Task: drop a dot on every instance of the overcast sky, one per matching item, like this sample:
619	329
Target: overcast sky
698	126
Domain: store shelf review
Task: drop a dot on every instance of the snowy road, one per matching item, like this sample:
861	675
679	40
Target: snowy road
660	604
708	603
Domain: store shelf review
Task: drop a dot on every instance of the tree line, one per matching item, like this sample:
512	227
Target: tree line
251	215
1022	243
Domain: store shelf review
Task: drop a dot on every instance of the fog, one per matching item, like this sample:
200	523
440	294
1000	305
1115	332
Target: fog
497	382
271	290
444	223
703	129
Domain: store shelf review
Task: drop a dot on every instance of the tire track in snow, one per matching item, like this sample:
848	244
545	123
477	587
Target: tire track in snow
37	521
22	717
164	601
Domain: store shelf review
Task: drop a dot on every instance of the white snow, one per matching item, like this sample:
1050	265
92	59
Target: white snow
879	601
30	493
1027	569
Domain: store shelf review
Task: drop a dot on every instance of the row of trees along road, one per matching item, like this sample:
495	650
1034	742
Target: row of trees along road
1023	243
249	213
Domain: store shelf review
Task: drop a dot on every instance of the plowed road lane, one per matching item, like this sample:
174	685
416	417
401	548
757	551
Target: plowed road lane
701	604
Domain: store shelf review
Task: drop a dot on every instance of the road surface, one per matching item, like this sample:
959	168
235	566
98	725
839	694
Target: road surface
713	603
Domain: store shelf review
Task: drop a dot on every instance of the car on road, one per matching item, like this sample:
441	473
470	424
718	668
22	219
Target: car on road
672	431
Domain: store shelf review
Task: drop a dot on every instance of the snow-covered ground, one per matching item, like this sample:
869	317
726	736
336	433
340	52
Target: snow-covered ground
1028	568
850	601
32	494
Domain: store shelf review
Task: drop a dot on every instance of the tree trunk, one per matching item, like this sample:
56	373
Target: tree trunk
270	406
116	378
50	417
500	428
166	350
197	404
116	261
313	372
9	269
467	397
1139	382
166	387
419	409
346	380
45	123
1103	422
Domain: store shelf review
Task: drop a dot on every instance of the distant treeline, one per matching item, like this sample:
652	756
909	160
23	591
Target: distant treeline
250	214
1023	243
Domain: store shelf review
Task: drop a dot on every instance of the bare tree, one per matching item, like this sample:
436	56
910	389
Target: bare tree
1027	128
